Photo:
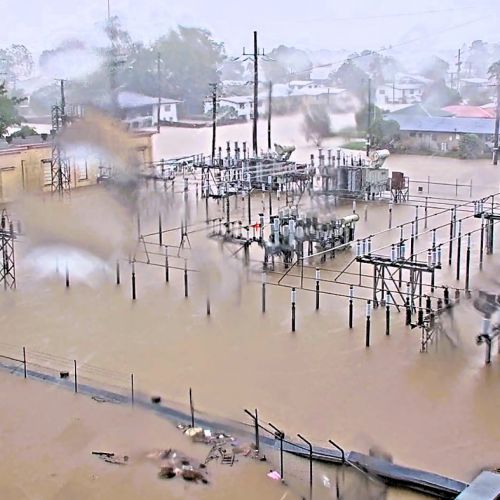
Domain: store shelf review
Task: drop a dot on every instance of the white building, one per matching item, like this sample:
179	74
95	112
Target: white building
303	84
406	89
242	105
142	110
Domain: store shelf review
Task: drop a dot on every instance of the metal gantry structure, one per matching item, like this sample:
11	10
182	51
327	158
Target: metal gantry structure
8	266
60	172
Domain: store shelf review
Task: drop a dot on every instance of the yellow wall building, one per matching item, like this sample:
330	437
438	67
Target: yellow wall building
25	165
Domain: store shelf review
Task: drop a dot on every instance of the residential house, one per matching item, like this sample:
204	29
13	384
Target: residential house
321	75
142	110
242	106
303	84
440	133
406	89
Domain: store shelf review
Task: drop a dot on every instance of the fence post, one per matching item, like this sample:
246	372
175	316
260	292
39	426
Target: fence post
76	378
317	287
368	320
263	292
191	407
24	362
310	460
351	305
132	387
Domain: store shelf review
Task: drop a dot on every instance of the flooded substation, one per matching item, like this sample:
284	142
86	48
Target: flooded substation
347	301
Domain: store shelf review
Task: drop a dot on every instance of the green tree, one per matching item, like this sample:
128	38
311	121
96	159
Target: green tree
384	133
436	69
24	132
494	72
287	63
361	117
352	78
8	111
439	95
16	63
470	146
316	125
191	60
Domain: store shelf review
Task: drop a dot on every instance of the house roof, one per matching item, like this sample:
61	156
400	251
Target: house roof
300	83
237	99
462	111
128	99
482	126
321	73
420	109
475	81
316	91
409	78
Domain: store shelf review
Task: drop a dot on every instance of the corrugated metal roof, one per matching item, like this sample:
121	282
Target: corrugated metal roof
464	111
483	126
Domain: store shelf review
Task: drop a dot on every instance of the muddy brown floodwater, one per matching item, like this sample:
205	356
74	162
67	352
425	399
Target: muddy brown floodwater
436	411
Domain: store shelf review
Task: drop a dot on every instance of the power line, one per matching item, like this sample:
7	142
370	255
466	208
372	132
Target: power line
385	16
390	47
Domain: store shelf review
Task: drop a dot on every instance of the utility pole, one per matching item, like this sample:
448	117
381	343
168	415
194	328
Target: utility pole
63	103
158	70
255	57
109	11
255	93
214	119
269	113
459	65
369	123
497	122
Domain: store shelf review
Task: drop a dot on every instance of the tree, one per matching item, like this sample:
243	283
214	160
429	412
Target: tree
361	117
316	125
470	146
478	58
384	133
8	111
437	69
352	78
16	62
284	63
24	132
439	95
191	60
232	70
494	71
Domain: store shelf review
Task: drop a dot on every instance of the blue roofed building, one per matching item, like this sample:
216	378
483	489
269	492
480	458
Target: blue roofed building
439	133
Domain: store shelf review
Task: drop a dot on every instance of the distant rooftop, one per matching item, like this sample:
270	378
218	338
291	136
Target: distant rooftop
300	83
420	109
128	99
463	111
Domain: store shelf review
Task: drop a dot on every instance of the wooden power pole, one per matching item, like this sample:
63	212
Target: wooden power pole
214	119
269	114
497	123
255	56
158	70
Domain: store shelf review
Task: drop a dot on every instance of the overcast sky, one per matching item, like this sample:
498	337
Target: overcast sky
309	24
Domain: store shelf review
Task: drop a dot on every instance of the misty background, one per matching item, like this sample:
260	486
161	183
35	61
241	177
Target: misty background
314	25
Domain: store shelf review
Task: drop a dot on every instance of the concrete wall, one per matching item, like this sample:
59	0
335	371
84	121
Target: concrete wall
430	141
26	168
